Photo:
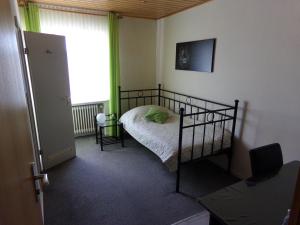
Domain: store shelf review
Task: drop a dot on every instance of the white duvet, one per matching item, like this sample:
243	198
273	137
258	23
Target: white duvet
162	139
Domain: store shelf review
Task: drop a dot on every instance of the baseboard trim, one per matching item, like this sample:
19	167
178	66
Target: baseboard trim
59	157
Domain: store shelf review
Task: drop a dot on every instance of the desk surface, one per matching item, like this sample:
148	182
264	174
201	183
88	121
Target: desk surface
260	203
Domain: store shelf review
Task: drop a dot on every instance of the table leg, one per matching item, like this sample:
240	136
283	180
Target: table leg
116	132
213	220
122	134
101	138
96	129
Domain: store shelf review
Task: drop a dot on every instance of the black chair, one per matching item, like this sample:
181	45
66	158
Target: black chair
266	160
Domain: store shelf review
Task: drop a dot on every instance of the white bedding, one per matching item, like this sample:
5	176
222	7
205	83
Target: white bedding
162	139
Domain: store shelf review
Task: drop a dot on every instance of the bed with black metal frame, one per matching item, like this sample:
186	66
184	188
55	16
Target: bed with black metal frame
203	113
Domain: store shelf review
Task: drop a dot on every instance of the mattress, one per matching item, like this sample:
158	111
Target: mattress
162	139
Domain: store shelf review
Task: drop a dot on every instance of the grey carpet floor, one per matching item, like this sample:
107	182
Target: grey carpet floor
124	186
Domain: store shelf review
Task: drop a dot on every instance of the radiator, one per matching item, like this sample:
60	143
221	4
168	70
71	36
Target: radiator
83	117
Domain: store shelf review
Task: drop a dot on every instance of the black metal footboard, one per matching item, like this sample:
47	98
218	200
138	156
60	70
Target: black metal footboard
223	119
213	120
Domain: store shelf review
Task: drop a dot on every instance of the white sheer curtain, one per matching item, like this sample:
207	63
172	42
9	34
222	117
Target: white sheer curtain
87	49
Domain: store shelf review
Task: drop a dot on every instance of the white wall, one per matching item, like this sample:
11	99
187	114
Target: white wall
257	61
137	53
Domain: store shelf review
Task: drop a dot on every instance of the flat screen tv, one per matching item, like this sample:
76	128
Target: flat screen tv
196	55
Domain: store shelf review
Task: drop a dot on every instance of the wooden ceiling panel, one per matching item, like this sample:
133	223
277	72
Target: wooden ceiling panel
151	9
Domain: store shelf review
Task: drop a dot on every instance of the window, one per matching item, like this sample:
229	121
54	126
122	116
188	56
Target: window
87	49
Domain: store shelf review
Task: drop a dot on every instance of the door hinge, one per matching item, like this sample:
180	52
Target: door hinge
26	51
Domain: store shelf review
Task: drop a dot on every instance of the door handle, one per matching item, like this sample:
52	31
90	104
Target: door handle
43	178
36	177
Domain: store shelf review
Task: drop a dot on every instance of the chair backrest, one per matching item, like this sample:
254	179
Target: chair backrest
266	159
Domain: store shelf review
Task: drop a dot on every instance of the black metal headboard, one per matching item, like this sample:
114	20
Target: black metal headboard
172	100
129	99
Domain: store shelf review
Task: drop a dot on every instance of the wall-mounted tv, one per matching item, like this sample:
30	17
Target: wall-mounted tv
196	55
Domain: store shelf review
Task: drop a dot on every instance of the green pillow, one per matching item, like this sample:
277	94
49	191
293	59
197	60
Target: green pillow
157	116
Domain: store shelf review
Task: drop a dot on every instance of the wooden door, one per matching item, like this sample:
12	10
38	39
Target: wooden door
18	204
48	65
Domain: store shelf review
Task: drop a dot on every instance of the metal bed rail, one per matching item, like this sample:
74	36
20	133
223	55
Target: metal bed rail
219	117
203	113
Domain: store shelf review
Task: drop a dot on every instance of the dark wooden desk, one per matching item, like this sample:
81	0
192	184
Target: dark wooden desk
263	202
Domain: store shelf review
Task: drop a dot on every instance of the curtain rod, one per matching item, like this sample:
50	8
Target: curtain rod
69	9
72	9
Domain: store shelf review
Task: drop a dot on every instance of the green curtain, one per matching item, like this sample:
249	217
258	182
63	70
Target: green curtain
31	16
113	26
